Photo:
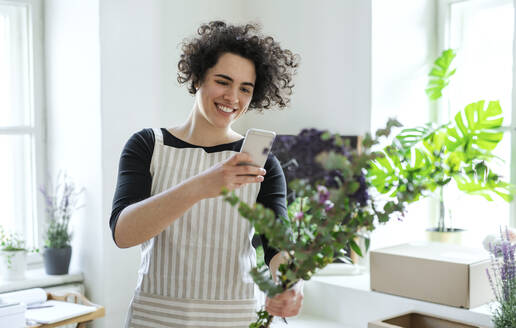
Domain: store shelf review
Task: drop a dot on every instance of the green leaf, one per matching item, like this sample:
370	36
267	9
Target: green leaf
332	161
326	136
485	185
410	137
476	128
264	281
355	247
440	74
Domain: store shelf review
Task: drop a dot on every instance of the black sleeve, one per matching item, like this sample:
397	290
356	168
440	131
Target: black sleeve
273	193
134	178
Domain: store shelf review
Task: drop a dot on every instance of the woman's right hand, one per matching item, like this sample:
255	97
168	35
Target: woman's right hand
229	175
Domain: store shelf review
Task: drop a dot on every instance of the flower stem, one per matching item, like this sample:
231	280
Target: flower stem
269	321
299	222
440	224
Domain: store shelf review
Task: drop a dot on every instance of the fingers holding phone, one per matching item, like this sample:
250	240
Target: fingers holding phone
257	144
242	168
230	174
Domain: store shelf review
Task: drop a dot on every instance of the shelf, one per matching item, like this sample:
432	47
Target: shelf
38	278
350	301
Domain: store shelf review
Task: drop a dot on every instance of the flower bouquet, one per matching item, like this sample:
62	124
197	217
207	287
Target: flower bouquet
331	206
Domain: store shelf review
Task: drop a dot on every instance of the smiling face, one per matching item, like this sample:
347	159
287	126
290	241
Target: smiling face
226	91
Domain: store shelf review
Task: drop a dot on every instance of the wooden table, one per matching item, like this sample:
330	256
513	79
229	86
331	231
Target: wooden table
80	320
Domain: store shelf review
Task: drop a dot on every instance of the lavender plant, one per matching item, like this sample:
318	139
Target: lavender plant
61	202
332	205
502	278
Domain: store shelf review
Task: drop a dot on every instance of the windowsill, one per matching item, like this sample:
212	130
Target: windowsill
38	278
350	301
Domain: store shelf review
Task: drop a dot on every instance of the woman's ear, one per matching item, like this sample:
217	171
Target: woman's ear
196	84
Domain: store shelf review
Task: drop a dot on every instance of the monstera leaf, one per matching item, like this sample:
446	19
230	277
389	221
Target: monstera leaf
440	74
477	129
395	172
480	180
384	174
408	138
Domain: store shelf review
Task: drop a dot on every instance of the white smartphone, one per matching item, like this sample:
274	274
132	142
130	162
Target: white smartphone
258	144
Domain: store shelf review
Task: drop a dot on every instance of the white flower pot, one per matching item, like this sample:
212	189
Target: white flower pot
13	265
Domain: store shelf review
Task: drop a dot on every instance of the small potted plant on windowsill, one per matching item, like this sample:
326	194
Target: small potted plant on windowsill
13	256
61	202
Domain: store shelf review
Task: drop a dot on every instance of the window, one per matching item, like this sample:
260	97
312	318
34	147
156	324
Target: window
21	118
481	32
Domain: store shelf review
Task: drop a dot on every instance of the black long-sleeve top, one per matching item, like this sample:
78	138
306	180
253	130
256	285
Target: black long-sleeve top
135	180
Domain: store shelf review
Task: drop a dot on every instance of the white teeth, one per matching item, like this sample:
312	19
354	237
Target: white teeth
225	109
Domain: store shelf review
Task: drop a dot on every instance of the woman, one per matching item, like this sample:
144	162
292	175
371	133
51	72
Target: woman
196	249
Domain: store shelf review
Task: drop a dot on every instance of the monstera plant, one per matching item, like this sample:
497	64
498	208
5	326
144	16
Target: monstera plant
432	156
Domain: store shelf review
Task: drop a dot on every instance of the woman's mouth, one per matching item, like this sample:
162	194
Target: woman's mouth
225	109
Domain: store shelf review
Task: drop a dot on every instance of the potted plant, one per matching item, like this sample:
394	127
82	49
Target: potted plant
436	156
502	277
13	254
331	206
61	202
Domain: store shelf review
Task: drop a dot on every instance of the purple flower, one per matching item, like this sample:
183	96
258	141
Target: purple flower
297	154
324	194
502	277
299	216
328	205
61	201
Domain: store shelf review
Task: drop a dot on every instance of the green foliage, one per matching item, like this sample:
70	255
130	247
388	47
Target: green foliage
260	262
57	234
429	157
440	74
322	220
505	315
11	243
262	278
264	319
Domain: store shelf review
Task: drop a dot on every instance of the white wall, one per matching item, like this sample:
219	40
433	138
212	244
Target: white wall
72	72
333	84
404	46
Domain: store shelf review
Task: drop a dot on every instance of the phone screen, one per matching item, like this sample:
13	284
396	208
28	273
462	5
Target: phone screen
258	144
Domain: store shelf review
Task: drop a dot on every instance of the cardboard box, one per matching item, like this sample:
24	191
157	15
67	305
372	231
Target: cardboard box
417	320
435	272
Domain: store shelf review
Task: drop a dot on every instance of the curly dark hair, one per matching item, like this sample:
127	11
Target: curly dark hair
274	66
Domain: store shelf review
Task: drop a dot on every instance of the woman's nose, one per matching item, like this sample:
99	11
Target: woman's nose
231	96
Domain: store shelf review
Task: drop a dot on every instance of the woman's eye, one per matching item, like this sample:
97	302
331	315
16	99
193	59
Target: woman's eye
221	82
245	90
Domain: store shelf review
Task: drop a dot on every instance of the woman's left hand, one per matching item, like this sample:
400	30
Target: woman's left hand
286	304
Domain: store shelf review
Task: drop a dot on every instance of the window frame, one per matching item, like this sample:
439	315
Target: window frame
443	42
34	224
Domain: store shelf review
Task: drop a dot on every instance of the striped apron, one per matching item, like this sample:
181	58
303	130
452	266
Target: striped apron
196	272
